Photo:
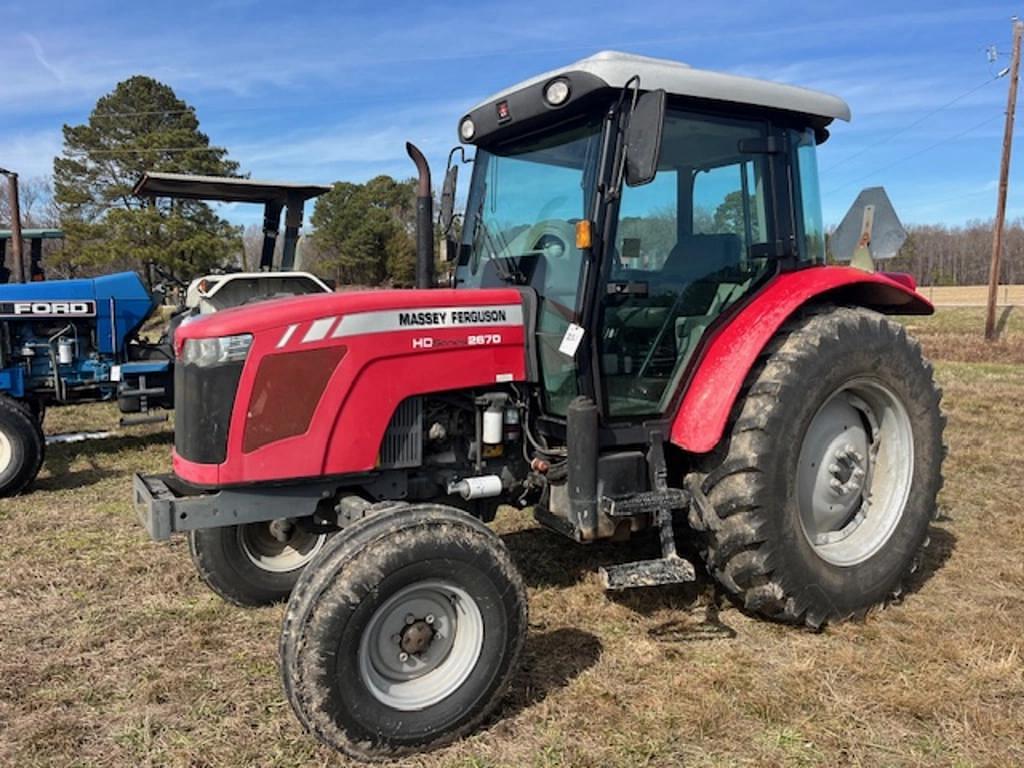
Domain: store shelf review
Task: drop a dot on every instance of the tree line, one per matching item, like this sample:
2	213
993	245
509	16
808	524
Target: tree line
362	234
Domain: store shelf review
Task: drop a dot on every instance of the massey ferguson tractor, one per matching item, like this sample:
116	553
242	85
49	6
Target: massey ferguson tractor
639	334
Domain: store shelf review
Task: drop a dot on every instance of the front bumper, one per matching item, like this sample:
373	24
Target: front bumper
165	506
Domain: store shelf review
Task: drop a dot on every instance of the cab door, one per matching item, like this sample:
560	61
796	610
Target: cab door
687	246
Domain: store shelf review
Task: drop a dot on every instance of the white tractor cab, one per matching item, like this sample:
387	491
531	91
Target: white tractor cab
212	293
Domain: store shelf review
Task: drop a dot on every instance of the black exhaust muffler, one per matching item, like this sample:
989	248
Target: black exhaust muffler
424	220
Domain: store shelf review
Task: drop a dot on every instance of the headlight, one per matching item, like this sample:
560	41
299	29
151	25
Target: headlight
208	352
467	130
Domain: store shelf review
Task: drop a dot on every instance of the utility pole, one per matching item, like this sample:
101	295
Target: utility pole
18	272
1004	173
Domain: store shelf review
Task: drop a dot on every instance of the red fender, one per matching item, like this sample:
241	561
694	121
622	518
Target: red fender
734	347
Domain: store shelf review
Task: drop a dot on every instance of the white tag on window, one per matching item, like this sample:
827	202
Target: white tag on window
571	340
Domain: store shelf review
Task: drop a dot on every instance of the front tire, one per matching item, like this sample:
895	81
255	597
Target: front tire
22	447
248	565
818	504
404	634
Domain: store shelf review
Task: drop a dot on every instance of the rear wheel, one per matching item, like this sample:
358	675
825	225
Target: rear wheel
819	502
22	446
254	564
404	634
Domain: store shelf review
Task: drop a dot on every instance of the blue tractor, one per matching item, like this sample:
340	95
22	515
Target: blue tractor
68	341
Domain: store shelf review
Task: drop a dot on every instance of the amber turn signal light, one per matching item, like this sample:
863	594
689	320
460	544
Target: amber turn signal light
584	237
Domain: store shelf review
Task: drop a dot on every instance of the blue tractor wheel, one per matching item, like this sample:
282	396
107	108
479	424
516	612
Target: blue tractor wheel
22	446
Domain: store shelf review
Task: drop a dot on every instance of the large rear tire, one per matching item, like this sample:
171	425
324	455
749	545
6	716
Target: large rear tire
818	503
22	446
248	565
404	634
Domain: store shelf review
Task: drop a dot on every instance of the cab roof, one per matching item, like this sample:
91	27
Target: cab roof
615	69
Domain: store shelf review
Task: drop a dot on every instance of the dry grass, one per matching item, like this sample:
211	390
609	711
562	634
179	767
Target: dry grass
973	295
113	654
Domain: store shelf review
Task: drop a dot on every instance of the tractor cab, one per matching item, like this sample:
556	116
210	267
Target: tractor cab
641	200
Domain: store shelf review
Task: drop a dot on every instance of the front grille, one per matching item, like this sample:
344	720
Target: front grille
204	397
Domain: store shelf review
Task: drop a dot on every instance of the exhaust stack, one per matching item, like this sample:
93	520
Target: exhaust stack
424	220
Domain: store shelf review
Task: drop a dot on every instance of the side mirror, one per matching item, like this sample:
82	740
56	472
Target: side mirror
643	138
451	178
450	249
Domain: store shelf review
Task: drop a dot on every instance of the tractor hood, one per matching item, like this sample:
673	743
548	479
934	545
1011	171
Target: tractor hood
321	316
317	372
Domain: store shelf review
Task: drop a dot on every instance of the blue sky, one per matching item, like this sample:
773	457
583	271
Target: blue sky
321	91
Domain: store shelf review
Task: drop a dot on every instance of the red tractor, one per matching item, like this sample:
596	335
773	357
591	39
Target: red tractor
639	332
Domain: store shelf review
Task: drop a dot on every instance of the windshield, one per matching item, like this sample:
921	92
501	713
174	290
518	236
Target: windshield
520	229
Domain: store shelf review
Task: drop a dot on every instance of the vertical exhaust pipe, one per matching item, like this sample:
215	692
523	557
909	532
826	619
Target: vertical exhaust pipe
424	220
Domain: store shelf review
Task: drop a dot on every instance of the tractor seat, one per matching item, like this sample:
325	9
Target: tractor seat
695	258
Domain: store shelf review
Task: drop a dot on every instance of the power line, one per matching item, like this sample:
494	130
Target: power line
148	149
911	156
914	124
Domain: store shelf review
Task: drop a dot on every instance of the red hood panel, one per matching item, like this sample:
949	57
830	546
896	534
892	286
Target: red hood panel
388	346
304	309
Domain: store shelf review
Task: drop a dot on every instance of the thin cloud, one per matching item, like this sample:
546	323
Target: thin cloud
37	49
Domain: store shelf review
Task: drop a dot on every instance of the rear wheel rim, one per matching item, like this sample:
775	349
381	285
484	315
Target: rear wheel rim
855	472
268	553
421	645
6	452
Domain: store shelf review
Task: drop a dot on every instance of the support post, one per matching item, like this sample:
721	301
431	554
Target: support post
18	265
271	226
292	222
1004	173
35	269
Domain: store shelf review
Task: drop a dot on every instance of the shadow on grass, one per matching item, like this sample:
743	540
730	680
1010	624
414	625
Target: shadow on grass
60	457
548	559
551	660
934	557
1004	318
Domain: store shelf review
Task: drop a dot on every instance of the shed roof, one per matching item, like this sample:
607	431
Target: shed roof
34	234
223	188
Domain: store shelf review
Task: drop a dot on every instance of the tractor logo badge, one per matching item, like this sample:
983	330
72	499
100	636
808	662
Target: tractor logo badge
47	309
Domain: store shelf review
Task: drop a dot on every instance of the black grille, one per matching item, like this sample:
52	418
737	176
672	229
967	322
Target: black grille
402	446
203	400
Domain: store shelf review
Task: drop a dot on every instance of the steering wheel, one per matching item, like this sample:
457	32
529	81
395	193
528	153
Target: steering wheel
555	240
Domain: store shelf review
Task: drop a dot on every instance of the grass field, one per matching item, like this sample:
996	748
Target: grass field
113	654
973	295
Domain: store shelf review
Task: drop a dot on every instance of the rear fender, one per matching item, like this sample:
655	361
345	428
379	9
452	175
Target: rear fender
735	345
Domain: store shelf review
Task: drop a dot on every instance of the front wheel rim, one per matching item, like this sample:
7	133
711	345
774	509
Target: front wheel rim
6	452
421	645
855	472
269	553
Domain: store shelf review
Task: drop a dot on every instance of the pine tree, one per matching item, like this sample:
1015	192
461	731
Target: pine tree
140	126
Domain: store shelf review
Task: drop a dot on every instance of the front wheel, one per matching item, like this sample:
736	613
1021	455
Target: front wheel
254	564
819	502
404	634
22	446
